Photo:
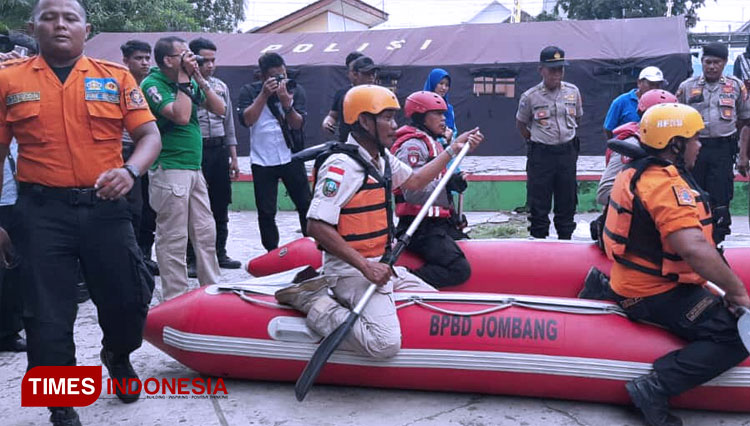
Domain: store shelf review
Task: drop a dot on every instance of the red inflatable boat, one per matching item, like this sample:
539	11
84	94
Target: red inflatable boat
539	267
549	347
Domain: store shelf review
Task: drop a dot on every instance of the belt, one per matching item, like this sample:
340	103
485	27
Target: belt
719	140
213	142
558	148
72	196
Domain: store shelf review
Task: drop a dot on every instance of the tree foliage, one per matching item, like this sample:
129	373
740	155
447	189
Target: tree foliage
142	15
617	9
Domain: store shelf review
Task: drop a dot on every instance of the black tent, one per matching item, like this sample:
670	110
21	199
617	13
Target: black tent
490	64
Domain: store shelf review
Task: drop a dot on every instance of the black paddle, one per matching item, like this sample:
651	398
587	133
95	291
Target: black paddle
333	340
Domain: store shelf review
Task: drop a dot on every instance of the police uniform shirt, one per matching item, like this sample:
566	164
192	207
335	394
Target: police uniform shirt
212	125
414	153
551	116
720	103
345	176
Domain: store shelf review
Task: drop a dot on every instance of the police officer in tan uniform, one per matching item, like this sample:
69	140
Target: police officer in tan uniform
547	118
723	104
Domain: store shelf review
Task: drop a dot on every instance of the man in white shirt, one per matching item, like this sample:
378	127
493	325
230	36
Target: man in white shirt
274	110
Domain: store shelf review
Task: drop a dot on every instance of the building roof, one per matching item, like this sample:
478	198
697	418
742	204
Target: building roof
355	10
494	12
444	45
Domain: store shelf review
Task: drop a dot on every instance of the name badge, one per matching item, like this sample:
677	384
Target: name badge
102	89
17	98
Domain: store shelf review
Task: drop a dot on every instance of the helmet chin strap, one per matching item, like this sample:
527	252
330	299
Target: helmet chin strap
678	148
381	148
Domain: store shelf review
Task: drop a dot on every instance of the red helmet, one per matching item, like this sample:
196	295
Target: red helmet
655	97
422	102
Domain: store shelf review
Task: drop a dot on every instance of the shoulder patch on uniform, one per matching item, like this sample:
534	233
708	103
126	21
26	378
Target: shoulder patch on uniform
413	156
330	187
17	98
684	196
104	89
153	93
134	99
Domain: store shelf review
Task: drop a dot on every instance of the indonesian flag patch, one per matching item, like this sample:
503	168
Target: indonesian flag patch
684	196
332	181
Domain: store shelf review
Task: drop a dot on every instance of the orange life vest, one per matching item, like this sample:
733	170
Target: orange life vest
434	149
365	222
629	228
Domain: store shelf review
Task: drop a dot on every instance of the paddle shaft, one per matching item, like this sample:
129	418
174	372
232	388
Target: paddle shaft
722	293
404	239
333	340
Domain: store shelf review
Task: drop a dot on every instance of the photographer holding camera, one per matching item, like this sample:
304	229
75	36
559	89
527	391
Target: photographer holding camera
274	110
177	191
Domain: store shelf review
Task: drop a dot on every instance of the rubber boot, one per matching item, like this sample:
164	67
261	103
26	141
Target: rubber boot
650	397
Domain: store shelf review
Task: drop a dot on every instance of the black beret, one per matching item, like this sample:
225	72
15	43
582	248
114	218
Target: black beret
718	50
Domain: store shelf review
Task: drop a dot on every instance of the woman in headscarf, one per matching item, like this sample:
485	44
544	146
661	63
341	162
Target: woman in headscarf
439	81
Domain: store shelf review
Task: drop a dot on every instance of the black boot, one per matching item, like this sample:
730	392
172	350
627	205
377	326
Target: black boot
13	343
222	233
64	416
596	286
121	370
649	395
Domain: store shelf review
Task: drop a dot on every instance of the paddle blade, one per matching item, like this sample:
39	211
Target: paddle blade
320	357
743	326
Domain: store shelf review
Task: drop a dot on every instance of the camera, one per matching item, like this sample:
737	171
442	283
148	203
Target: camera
199	59
290	84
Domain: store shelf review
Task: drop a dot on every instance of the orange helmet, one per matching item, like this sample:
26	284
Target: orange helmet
655	97
367	98
662	122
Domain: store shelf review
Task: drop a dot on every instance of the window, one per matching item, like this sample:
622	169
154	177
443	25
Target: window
492	85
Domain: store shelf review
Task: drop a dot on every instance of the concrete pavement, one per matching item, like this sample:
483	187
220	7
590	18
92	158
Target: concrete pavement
260	403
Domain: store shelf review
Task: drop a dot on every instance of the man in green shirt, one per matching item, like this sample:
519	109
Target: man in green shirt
177	188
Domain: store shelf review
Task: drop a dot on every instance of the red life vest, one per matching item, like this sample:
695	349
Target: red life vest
434	149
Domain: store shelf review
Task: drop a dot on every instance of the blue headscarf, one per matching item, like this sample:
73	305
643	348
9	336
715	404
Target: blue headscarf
433	79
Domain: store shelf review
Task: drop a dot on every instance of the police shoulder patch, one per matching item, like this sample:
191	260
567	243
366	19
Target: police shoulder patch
684	196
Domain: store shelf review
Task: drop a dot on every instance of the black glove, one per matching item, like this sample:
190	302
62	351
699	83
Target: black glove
456	183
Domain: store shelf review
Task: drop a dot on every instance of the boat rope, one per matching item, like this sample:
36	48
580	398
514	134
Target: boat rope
249	299
506	304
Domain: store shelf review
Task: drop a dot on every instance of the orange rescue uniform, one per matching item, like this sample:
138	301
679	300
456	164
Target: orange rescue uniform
68	134
669	204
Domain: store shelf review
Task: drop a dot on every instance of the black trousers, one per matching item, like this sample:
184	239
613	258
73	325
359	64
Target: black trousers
216	171
714	172
696	315
147	232
435	241
10	287
551	172
266	183
53	234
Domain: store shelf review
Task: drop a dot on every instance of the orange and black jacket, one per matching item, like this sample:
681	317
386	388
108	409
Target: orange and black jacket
631	237
366	221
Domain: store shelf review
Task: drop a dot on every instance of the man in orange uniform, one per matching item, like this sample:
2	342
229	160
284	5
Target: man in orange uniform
659	233
350	217
67	112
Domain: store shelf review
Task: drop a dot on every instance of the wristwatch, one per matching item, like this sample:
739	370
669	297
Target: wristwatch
288	110
133	170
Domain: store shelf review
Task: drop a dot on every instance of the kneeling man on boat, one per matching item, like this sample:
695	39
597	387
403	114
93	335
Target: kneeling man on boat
659	233
434	240
350	217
